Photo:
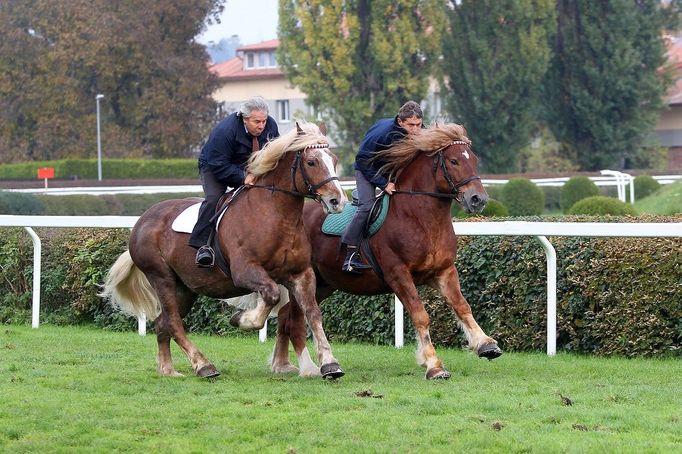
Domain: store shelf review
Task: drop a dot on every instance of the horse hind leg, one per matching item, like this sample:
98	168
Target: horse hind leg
175	303
479	342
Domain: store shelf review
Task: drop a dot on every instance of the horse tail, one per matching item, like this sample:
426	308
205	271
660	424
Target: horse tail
128	289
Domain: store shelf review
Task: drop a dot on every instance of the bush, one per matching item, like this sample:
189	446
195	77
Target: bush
552	197
495	208
522	197
644	185
20	203
600	205
575	189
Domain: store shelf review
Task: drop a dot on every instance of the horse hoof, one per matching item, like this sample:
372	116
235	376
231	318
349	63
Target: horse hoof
331	371
490	351
285	369
437	374
234	321
208	371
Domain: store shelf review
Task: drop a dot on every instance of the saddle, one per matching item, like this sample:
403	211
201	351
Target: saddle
334	224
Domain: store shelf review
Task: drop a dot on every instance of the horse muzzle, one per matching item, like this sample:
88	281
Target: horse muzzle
333	204
474	201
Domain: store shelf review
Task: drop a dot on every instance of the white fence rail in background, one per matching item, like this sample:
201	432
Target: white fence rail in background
540	230
611	178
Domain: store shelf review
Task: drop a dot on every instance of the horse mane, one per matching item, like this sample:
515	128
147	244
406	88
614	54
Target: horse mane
430	140
267	159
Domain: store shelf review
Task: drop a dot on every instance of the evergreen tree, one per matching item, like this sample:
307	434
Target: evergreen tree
495	56
56	55
359	61
605	89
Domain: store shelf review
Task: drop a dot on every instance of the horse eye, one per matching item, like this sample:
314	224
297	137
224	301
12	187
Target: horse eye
311	163
454	162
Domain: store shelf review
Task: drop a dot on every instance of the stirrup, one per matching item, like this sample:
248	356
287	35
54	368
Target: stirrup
205	257
354	263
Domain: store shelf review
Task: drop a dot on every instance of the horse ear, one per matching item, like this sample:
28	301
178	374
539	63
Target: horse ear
323	127
299	131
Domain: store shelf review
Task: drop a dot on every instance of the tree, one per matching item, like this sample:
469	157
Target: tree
56	55
605	88
359	61
495	56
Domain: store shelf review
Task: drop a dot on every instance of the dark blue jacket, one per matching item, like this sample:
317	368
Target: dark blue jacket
229	146
380	136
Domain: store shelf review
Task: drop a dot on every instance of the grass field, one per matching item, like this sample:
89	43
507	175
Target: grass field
86	390
667	200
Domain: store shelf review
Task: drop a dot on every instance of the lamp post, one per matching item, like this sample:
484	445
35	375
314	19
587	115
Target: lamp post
99	141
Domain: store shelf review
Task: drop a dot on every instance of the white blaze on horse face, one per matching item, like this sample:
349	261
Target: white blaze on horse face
466	154
329	163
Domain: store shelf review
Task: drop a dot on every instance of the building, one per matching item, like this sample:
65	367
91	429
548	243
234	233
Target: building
668	130
254	71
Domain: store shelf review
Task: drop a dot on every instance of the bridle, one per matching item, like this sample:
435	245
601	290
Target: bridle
297	165
439	163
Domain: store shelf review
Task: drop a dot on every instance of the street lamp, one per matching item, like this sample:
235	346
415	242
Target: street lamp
99	142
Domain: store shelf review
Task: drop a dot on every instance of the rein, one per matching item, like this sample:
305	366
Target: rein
312	188
439	162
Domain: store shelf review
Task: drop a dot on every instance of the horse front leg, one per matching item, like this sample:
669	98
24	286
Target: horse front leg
447	283
402	284
302	288
291	326
268	296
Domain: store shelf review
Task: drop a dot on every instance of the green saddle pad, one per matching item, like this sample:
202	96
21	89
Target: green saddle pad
335	224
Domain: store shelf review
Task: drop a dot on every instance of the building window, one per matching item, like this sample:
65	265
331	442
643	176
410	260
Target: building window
283	110
250	60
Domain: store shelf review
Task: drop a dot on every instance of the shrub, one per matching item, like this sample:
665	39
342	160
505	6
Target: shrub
575	189
602	205
522	197
644	185
20	203
552	197
495	208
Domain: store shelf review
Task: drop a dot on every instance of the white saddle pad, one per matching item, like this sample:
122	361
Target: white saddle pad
184	223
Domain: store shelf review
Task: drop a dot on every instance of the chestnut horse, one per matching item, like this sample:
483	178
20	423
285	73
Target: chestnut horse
261	237
415	246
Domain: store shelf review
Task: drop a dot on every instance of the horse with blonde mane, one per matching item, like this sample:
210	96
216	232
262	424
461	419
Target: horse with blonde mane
415	246
261	238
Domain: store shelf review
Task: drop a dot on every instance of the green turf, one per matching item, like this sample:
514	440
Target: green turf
66	389
667	200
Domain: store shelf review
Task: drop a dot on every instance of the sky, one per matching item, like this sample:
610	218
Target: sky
253	20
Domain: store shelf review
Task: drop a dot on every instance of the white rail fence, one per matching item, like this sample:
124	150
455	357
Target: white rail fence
610	178
539	230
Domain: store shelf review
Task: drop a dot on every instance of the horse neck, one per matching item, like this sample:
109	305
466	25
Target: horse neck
280	177
418	176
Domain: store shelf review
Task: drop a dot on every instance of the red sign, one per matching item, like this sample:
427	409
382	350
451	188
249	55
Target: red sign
45	172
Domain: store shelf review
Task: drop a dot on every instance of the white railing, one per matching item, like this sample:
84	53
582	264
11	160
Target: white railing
540	230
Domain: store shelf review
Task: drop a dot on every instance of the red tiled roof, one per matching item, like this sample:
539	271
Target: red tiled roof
234	70
675	59
265	45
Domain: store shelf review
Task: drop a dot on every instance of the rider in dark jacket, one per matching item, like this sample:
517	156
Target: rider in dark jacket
222	163
380	136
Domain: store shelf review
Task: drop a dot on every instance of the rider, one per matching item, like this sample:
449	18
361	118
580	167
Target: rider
380	136
222	163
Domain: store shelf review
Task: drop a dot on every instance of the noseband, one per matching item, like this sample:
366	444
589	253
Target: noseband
311	188
439	162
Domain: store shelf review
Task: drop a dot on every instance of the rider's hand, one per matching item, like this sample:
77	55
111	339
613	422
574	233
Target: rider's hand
250	179
390	188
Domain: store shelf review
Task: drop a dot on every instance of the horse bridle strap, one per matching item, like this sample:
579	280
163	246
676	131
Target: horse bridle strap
312	188
439	162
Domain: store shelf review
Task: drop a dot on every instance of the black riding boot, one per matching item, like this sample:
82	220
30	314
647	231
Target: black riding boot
353	262
205	257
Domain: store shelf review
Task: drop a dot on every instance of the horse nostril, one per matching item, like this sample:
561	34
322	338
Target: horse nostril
475	200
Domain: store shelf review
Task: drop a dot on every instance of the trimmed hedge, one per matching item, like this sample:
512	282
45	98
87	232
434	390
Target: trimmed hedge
601	205
522	197
644	185
614	295
111	169
576	189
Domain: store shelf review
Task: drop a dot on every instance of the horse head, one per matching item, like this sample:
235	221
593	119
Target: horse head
459	175
313	173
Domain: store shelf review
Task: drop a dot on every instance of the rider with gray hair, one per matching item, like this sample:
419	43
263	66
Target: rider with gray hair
222	164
